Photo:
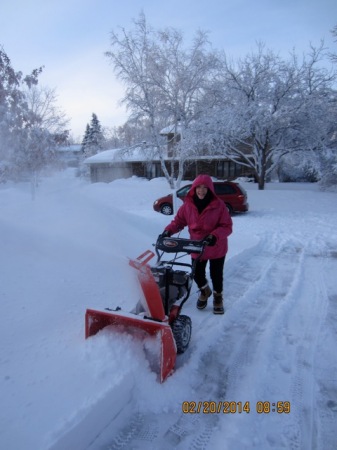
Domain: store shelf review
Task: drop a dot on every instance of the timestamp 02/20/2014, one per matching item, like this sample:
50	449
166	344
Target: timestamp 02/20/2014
233	407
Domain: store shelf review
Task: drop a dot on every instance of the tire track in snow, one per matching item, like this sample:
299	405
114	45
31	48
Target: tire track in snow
264	351
325	360
213	366
277	347
256	283
302	329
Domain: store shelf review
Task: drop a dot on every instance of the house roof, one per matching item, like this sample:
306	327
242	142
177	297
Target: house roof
170	129
131	154
106	156
138	154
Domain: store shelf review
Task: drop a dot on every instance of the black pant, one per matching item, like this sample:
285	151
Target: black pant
216	272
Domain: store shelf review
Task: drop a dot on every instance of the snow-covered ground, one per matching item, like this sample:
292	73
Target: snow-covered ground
68	250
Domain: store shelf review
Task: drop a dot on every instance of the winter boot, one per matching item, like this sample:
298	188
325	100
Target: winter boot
205	292
218	303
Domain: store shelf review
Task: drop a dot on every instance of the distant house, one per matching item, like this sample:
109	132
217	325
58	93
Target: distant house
113	164
117	163
70	155
143	161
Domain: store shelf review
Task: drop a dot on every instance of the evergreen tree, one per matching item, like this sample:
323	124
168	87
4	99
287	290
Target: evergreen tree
85	139
93	139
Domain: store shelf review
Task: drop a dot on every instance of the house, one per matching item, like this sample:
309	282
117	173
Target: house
70	155
143	161
112	164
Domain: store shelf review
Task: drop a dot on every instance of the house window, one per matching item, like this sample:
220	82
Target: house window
152	170
227	169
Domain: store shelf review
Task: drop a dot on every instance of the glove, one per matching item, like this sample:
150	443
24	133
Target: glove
210	240
165	234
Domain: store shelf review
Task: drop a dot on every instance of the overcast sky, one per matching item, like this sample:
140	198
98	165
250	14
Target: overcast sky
69	38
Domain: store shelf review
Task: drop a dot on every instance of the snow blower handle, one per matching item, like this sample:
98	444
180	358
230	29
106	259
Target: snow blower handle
179	245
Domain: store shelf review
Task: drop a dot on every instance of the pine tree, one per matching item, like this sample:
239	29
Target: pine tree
85	139
93	139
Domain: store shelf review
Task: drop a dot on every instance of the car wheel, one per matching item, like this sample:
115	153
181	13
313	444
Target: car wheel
166	209
230	209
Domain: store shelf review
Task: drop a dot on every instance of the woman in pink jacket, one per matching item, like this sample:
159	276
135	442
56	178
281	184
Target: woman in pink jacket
207	218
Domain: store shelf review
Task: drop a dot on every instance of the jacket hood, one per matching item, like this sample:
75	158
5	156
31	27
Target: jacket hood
205	180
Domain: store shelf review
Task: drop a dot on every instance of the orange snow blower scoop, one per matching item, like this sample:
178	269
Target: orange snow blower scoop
151	320
166	287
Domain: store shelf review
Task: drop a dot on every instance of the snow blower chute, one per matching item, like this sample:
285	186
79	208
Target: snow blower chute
166	287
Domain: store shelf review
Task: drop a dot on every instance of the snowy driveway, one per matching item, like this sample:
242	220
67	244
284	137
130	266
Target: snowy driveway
274	349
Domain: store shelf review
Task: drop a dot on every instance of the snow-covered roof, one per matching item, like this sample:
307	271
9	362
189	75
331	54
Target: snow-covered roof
138	154
170	129
132	154
102	157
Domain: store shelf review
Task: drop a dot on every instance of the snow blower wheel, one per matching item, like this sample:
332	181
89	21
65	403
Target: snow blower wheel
182	330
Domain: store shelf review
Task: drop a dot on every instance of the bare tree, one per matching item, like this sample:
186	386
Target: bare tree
333	55
164	82
15	116
45	132
131	56
42	102
266	107
31	125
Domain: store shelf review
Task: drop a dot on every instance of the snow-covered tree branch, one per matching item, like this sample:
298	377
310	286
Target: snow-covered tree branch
266	107
164	83
31	126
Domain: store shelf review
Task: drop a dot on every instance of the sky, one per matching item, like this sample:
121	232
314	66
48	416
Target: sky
69	38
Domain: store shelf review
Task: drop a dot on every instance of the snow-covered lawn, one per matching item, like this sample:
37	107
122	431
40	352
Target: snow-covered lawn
68	250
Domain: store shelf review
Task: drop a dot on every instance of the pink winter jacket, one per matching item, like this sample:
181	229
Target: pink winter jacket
214	219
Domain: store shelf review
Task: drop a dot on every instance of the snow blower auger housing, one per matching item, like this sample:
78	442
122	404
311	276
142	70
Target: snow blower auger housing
166	287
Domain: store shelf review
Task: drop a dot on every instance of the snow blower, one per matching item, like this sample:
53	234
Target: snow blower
166	287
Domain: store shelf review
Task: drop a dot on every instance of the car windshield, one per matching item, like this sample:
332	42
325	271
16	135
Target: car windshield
182	192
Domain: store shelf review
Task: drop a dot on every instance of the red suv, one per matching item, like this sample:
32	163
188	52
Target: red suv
233	194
